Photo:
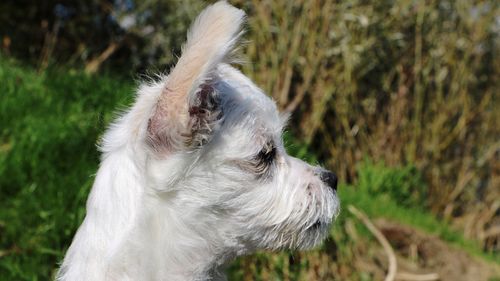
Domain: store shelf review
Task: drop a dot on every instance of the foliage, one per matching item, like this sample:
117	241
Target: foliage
49	124
135	34
298	149
403	184
402	82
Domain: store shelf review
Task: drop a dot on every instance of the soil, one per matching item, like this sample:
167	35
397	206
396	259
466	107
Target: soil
429	258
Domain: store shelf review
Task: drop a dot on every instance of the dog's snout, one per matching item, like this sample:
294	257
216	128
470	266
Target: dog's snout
329	179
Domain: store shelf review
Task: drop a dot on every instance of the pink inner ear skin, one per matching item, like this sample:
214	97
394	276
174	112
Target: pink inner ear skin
202	96
167	125
174	127
203	115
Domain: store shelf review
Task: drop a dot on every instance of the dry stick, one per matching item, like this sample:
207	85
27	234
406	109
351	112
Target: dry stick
94	64
391	274
417	277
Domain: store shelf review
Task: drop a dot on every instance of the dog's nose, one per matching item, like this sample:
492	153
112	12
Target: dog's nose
329	179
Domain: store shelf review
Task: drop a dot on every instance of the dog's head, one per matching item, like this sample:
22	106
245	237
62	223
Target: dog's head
215	152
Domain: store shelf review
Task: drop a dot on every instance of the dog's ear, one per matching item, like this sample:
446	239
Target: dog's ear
188	106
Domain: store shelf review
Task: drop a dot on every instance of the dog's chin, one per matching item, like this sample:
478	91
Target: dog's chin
318	225
314	232
314	235
309	236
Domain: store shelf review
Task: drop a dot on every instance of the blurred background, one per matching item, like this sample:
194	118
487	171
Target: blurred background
399	97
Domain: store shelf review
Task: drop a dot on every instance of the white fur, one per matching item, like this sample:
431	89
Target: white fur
183	212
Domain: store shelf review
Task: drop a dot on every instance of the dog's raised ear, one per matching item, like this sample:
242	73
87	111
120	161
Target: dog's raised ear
188	105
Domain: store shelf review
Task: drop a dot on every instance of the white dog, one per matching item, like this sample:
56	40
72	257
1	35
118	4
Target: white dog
195	174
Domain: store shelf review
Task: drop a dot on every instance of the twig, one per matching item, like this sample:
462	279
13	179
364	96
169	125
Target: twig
391	273
12	250
93	65
49	45
417	277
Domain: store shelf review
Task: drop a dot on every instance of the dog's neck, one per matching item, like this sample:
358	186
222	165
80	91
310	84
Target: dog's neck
169	246
127	224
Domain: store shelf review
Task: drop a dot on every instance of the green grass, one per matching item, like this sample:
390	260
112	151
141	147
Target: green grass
49	125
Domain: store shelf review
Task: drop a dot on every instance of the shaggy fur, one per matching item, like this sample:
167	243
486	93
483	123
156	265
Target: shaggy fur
195	174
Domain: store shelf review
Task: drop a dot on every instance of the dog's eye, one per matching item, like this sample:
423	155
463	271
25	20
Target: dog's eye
264	160
260	164
267	154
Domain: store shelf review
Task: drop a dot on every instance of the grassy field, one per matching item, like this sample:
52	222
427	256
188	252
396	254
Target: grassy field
49	125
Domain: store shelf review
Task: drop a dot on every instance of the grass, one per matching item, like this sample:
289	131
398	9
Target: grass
49	125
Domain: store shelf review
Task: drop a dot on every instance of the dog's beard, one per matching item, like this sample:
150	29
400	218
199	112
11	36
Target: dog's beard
297	239
302	229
